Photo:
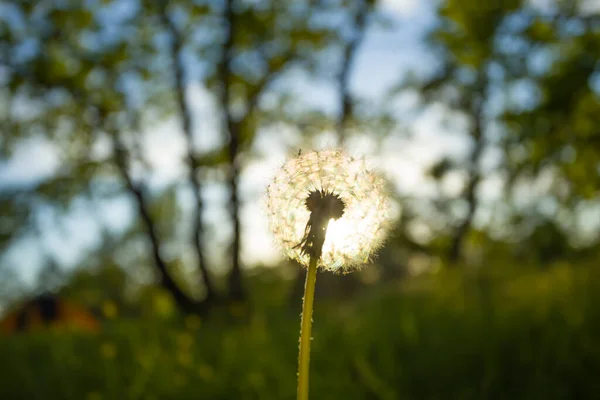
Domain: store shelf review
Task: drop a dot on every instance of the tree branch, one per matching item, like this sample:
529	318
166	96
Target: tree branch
193	162
181	299
232	128
474	177
266	80
348	58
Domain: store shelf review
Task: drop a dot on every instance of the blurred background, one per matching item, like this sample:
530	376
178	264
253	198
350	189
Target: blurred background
137	141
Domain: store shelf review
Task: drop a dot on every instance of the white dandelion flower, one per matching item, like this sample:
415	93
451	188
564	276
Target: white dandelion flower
341	189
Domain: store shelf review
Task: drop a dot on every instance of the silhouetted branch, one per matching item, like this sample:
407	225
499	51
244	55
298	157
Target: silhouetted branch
270	76
233	130
236	290
193	163
181	299
474	175
349	51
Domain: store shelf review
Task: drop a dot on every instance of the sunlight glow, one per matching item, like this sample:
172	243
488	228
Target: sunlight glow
352	239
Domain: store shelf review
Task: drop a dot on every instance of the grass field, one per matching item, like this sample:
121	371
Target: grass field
533	335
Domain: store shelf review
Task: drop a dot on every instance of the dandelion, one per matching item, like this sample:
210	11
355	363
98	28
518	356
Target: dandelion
303	183
326	209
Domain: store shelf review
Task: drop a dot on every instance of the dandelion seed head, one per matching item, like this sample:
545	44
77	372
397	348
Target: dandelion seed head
356	234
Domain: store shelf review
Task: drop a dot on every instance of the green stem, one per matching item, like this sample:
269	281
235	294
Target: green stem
305	329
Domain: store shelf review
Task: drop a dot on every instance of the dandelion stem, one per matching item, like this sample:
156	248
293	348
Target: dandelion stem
306	328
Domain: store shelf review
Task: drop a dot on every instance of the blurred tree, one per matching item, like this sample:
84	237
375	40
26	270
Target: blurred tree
349	48
81	76
465	42
554	134
523	81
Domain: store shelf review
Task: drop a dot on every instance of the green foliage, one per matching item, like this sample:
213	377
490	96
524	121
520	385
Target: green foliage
497	335
470	28
556	130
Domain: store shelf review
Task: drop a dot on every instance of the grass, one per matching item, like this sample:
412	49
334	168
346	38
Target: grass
517	336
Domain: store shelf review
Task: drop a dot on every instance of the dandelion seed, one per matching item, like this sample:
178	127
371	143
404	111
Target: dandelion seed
344	189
